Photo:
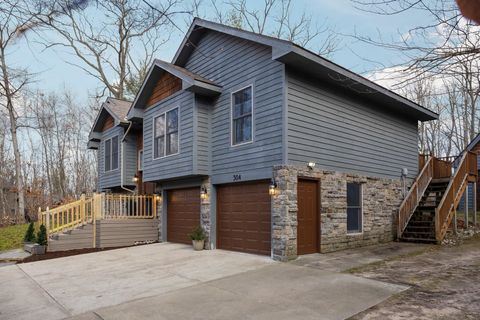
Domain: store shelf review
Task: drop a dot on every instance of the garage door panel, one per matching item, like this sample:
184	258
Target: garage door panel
183	214
244	217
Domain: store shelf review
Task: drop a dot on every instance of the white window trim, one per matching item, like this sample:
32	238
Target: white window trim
111	155
361	211
165	135
139	162
231	117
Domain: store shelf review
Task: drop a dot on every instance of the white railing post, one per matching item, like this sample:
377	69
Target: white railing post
47	220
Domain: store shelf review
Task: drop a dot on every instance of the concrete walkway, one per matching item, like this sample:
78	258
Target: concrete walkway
13	255
169	281
345	260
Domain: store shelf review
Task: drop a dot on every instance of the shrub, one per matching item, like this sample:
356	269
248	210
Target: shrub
198	233
30	233
42	236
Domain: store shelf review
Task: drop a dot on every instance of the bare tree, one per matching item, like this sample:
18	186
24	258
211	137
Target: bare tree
114	40
436	46
13	18
273	18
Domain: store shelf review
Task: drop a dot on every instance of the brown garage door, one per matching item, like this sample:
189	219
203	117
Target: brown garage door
308	235
183	214
243	217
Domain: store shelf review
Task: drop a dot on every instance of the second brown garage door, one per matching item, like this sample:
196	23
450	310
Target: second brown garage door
183	214
244	217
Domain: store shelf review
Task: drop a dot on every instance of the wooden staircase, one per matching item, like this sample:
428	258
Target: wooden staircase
421	226
430	205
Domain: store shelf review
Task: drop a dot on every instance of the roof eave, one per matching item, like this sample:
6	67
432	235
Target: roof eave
349	78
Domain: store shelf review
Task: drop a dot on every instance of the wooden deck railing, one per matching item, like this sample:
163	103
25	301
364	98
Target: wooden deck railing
99	206
466	171
119	206
415	194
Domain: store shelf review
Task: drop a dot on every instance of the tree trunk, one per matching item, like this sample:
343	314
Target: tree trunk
20	216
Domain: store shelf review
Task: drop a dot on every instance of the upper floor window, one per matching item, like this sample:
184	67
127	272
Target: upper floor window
354	208
165	134
242	105
111	154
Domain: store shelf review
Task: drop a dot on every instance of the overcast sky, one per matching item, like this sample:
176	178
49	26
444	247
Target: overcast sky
54	73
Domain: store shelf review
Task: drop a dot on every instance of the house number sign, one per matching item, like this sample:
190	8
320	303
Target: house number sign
237	177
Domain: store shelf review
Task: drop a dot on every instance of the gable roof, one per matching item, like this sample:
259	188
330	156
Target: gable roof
307	62
190	81
119	108
113	107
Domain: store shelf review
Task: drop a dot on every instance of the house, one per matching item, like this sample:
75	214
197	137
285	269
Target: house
473	146
118	154
273	149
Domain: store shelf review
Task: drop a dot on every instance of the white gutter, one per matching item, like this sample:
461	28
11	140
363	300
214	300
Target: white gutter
121	160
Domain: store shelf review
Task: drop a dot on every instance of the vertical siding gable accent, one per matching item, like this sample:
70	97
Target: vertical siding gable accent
166	86
108	123
235	63
345	133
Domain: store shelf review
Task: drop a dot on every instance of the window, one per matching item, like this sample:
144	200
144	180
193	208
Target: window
108	155
354	208
242	130
115	153
111	154
165	135
140	160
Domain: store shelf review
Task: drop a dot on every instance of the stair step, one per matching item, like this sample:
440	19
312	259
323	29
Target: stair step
423	240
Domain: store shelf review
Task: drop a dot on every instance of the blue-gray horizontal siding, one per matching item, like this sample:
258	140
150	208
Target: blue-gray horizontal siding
172	166
202	138
111	178
344	133
129	159
235	63
461	205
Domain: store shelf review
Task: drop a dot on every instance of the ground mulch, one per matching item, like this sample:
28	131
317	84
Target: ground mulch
61	254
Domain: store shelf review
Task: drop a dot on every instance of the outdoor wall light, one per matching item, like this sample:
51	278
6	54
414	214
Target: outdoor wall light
158	197
272	188
203	193
311	165
135	178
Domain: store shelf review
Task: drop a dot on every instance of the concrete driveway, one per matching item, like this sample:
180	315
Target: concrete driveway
170	281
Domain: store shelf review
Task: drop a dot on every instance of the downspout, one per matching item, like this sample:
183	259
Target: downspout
121	160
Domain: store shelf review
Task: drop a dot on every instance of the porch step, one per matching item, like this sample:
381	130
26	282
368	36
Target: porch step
418	240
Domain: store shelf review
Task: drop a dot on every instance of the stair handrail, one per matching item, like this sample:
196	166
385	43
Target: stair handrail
98	207
455	189
414	195
67	216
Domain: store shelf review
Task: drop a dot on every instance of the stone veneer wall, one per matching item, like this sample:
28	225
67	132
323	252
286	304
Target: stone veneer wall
381	199
205	209
159	217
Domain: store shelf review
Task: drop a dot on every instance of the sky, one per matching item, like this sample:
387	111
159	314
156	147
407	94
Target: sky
54	72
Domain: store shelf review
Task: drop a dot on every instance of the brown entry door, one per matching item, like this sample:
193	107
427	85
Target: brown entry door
183	214
244	217
308	235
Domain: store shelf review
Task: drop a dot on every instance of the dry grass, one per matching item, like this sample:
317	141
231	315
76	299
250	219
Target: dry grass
11	237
